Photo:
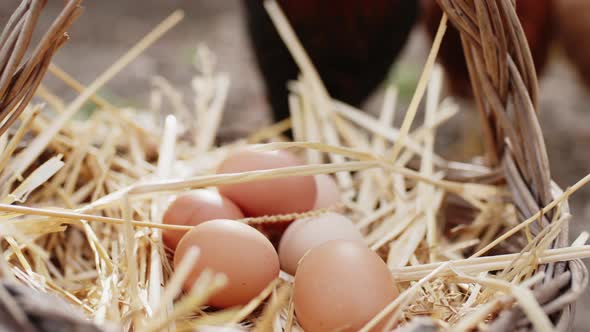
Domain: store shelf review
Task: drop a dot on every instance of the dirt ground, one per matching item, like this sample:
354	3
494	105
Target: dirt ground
108	28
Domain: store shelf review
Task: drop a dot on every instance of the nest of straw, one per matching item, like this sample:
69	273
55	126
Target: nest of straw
473	246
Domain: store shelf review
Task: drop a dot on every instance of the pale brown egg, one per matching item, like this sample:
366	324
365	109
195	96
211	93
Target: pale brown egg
194	208
292	194
305	234
242	253
340	286
328	193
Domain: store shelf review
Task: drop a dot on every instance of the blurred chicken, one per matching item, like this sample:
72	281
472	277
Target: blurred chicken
572	18
352	43
535	17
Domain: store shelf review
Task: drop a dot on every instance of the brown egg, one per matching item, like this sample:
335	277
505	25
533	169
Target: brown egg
194	208
239	251
340	286
305	234
327	196
328	193
266	197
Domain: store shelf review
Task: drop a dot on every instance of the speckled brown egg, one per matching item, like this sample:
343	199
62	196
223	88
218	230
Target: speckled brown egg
242	253
194	208
340	286
292	194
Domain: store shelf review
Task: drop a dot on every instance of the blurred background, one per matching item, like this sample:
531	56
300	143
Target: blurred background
108	28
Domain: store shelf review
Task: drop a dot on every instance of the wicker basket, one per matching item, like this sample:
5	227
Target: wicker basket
506	92
19	82
505	88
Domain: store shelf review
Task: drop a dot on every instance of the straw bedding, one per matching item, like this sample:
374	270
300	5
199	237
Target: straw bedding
81	201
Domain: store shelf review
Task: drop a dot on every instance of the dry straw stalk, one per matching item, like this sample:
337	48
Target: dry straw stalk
81	201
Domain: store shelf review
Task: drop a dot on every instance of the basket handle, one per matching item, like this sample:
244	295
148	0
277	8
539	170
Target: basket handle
505	87
19	77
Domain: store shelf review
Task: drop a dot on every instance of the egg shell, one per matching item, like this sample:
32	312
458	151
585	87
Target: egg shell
292	194
305	234
340	286
243	254
328	193
194	208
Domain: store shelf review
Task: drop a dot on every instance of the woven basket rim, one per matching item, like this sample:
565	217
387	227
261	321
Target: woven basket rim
505	88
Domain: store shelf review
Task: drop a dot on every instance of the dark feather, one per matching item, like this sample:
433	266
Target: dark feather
352	43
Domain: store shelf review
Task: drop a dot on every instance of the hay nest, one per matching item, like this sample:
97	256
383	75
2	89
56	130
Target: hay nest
81	201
